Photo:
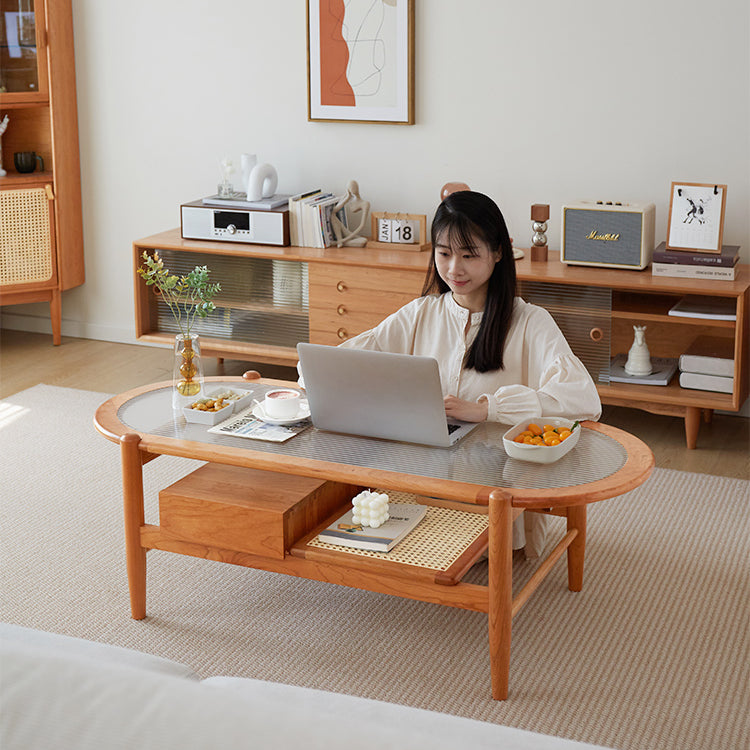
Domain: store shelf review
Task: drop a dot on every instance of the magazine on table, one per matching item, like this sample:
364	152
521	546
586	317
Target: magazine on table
403	518
246	425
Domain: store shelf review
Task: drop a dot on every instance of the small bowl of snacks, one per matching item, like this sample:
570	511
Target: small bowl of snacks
239	399
543	440
208	410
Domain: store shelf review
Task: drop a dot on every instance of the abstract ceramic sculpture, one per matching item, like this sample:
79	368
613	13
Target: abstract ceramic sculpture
352	204
639	357
3	125
259	180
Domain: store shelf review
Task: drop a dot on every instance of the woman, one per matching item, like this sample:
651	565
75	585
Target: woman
500	358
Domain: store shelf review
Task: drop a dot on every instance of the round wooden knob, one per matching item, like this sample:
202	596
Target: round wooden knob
341	287
341	310
341	333
596	334
251	375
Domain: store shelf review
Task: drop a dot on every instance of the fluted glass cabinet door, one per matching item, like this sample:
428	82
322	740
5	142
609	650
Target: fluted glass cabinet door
583	315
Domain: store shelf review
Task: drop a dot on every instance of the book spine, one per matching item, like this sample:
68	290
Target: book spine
707	366
665	256
676	270
699	382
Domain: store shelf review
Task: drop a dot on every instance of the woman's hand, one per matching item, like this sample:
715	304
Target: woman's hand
466	411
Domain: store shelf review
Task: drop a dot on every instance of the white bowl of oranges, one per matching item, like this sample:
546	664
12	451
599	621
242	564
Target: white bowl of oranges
542	440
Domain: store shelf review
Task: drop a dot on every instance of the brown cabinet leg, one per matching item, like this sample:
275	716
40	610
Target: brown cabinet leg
55	313
132	492
577	550
692	423
500	590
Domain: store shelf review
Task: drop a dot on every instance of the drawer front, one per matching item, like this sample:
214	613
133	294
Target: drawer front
345	301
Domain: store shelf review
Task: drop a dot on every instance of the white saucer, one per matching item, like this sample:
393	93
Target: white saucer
303	413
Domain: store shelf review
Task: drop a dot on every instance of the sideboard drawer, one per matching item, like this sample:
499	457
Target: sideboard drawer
346	300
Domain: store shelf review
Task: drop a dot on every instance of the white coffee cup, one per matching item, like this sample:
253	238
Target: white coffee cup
281	403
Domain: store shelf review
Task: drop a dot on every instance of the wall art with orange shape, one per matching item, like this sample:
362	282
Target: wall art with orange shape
361	60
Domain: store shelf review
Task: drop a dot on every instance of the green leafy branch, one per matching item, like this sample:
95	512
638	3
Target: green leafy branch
188	297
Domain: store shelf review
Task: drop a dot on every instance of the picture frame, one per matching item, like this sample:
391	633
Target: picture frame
696	217
360	61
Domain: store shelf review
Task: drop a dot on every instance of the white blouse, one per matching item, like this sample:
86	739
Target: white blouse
541	376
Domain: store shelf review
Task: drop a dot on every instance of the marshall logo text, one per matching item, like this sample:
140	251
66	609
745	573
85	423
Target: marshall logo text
594	235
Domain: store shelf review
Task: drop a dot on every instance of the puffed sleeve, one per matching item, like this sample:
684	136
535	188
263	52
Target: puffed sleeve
553	382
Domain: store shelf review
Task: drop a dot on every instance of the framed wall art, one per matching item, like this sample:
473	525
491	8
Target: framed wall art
360	61
696	217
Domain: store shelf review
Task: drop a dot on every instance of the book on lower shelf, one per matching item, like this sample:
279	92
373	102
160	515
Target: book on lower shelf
663	368
708	308
404	517
709	355
679	271
728	257
701	382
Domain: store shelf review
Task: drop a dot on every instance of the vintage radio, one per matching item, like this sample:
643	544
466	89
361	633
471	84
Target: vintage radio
614	235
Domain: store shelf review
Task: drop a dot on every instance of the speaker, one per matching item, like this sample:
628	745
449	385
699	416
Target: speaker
607	234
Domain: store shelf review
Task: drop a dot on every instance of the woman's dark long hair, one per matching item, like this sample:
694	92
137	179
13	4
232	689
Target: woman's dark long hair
460	220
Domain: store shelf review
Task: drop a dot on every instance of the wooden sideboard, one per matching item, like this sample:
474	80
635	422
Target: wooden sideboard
273	297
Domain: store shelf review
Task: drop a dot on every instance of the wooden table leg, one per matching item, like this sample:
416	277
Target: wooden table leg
500	590
692	423
576	515
132	492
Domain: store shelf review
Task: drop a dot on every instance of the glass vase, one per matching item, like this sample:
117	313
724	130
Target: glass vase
188	370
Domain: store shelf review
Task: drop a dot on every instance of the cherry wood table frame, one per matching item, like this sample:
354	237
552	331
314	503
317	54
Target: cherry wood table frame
501	504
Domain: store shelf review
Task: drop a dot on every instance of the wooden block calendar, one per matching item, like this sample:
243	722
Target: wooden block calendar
399	231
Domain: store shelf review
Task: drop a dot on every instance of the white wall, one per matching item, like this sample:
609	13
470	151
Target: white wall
532	101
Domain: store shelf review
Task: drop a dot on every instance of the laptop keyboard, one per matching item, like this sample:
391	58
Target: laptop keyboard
452	428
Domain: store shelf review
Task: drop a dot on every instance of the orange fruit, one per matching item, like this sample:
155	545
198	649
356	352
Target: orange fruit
564	434
535	429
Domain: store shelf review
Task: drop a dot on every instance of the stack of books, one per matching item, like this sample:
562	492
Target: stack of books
691	264
310	218
708	365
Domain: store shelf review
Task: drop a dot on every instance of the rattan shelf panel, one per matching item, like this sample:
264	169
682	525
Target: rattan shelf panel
436	543
25	239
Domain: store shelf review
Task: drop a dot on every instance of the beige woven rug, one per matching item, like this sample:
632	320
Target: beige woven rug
652	654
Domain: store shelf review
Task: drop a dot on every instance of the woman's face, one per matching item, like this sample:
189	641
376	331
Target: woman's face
466	270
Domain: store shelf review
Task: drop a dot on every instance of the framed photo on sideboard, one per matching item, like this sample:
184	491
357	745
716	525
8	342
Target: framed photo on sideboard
696	217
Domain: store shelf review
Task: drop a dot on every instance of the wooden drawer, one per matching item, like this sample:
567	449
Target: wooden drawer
346	300
248	510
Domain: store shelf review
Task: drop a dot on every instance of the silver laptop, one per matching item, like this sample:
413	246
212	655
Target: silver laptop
377	394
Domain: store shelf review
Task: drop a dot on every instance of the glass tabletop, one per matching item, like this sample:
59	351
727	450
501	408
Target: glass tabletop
479	458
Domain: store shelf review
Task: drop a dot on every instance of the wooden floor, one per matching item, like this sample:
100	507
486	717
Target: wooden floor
27	359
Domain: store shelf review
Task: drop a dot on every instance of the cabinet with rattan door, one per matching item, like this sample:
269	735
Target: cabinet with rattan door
41	240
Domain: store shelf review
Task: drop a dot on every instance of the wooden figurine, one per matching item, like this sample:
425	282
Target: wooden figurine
539	218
